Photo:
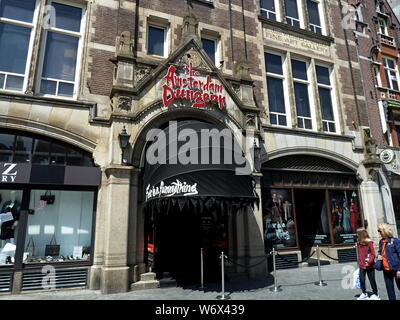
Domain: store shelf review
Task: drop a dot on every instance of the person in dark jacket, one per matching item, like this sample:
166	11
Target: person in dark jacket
366	258
389	253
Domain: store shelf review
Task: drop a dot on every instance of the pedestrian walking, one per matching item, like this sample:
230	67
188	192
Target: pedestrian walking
366	258
389	259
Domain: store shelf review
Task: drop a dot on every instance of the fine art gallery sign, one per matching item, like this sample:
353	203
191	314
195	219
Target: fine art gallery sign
192	87
296	41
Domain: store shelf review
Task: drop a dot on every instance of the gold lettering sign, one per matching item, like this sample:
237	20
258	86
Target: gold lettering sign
296	41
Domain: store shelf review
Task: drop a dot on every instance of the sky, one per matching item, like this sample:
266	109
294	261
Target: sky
396	7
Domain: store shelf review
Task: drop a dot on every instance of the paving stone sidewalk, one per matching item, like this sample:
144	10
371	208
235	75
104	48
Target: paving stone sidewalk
296	284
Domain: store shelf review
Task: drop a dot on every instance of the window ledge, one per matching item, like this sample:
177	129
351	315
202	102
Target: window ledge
41	99
206	2
304	32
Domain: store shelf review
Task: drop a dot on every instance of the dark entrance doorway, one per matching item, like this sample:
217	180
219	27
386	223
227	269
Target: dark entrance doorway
311	216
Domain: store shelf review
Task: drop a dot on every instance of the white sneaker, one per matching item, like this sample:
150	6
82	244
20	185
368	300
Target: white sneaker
374	297
363	296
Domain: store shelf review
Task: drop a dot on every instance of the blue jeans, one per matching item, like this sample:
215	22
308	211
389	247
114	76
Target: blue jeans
389	276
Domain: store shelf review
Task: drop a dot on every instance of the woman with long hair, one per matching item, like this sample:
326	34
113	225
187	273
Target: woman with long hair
366	258
389	254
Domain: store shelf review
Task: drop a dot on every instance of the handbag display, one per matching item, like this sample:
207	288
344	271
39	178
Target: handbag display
52	249
48	198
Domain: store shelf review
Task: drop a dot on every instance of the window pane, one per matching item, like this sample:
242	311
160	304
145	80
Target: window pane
332	127
291	8
156	41
60	58
322	75
389	63
326	104
276	99
41	152
74	158
282	120
268	4
10	206
58	154
23	149
68	219
302	103
209	47
6	147
68	17
48	87
273	118
14	44
299	69
2	77
313	13
398	133
14	83
65	89
18	9
273	63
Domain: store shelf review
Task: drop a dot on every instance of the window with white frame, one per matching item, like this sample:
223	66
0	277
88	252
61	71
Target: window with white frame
211	46
325	98
17	21
391	73
292	13
156	41
62	51
383	26
269	9
301	91
314	16
378	81
275	86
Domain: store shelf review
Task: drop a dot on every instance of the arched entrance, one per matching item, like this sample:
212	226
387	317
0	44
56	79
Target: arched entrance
188	199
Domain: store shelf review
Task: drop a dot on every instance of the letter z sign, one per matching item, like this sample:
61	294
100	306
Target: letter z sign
9	172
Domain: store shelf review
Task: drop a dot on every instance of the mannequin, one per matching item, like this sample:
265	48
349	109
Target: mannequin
346	217
8	227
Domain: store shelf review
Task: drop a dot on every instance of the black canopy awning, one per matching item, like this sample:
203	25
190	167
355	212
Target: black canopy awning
211	183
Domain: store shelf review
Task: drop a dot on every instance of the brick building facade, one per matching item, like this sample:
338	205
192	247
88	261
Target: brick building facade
287	73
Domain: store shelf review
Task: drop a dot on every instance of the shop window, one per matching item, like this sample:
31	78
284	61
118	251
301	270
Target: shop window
6	147
16	37
62	51
301	88
279	219
325	98
268	9
61	227
23	149
391	73
10	206
275	85
156	41
314	16
345	216
292	13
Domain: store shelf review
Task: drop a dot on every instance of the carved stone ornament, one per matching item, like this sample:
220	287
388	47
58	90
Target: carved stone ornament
124	44
140	73
190	27
197	62
242	70
124	103
370	145
250	120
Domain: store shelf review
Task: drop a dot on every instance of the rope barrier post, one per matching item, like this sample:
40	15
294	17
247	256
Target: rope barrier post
223	297
201	269
321	283
275	288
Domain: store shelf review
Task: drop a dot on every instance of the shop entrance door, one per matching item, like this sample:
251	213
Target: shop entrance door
311	218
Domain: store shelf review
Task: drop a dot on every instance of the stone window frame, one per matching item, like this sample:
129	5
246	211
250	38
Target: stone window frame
216	37
310	93
285	85
33	25
334	98
277	12
322	25
80	49
158	23
300	19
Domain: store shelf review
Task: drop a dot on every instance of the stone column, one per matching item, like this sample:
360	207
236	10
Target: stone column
115	270
372	207
256	251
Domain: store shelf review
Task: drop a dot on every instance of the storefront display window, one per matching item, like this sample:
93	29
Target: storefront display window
279	221
60	228
10	206
396	207
345	215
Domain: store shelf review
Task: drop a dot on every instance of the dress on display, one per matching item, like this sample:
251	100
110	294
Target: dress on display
346	218
353	216
7	232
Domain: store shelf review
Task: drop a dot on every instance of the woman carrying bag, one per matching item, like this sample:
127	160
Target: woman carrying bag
389	259
366	258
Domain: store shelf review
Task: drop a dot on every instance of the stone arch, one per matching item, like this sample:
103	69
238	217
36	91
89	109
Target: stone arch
52	132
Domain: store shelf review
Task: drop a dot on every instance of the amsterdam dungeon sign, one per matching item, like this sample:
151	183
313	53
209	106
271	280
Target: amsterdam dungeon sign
192	87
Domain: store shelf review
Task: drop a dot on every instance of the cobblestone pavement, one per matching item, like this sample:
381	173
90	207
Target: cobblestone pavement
296	284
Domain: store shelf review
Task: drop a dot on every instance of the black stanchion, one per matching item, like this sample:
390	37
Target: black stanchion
222	296
201	269
320	283
275	288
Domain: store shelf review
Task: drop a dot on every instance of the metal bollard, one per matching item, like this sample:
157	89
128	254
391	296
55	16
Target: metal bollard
223	297
275	288
201	270
321	283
